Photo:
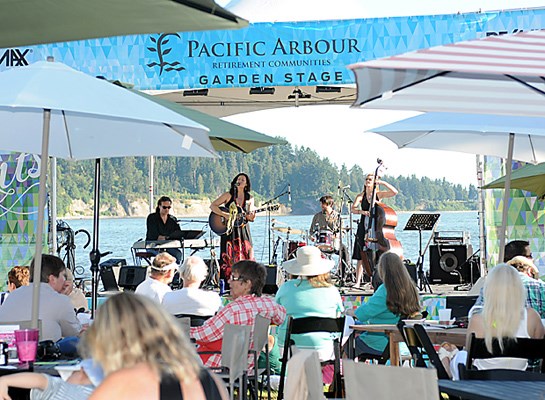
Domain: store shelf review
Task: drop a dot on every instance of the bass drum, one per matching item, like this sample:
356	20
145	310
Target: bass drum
290	248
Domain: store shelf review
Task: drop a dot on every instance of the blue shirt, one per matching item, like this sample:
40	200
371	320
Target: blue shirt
303	300
375	312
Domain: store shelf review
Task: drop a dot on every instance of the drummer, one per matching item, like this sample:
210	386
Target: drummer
329	220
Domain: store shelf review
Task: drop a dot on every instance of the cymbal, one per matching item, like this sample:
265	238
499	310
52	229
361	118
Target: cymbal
288	230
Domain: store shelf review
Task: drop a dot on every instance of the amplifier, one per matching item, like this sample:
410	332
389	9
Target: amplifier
451	237
450	264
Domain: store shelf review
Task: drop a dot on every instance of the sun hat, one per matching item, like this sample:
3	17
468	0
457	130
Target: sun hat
308	262
164	268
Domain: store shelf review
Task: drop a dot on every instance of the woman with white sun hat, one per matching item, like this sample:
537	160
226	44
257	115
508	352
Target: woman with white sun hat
310	293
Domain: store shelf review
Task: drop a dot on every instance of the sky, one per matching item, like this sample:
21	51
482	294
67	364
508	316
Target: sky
343	134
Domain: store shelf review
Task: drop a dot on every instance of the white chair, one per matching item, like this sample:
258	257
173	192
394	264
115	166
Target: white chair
234	356
304	377
380	382
261	342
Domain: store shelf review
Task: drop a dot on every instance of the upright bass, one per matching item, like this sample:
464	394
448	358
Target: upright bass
379	234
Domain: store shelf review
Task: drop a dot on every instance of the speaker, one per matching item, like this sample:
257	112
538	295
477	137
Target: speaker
411	268
448	264
131	276
274	280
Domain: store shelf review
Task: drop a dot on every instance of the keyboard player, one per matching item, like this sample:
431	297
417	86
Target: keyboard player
160	225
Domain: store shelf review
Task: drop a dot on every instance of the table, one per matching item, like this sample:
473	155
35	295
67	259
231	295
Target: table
494	390
456	336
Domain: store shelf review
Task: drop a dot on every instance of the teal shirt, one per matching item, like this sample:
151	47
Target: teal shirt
302	300
375	312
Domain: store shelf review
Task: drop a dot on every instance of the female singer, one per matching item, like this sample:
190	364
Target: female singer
363	200
235	245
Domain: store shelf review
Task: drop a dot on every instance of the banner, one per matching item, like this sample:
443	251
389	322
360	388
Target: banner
268	54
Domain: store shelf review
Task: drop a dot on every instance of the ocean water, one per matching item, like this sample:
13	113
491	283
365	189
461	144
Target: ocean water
118	234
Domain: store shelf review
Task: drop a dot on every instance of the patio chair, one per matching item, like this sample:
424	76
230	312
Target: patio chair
380	382
531	349
422	351
310	325
304	381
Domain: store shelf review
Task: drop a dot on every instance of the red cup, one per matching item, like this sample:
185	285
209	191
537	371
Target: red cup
26	341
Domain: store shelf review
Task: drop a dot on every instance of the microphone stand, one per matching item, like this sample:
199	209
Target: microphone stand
269	220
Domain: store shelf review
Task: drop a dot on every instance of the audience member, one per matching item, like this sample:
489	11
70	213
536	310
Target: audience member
56	310
75	294
396	298
78	386
517	248
312	294
17	276
144	354
190	300
519	252
504	315
246	281
156	285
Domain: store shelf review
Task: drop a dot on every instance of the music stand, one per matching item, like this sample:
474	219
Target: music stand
422	222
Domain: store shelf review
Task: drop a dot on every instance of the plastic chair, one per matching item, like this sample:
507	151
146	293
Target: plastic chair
260	342
234	356
380	382
304	382
498	374
196	320
310	325
421	348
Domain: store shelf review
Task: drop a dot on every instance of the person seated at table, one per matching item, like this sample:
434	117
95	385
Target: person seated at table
156	284
56	311
78	386
144	354
312	294
190	300
504	315
246	282
74	293
17	276
521	257
395	299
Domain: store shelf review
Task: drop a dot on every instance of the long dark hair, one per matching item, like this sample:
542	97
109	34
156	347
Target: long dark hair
162	199
247	189
402	297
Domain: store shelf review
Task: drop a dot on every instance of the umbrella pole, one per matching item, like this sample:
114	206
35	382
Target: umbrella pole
36	278
95	255
506	196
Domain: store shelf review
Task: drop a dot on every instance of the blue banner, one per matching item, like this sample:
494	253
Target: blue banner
268	54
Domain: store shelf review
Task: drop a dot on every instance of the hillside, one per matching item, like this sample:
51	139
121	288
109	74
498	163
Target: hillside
194	182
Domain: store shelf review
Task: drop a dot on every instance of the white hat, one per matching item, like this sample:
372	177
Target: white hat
308	262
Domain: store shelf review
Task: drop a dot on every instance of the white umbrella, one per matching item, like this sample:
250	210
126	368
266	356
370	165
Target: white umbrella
512	138
498	75
75	116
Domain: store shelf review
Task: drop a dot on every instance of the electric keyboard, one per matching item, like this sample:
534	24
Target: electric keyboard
176	244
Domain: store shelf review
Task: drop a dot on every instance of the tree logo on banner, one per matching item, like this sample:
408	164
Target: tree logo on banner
161	51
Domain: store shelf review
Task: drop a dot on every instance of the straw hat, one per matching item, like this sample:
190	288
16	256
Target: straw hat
308	262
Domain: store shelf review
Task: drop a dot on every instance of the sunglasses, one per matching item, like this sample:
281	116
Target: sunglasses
166	207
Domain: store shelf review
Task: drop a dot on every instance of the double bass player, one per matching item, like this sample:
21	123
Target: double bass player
364	251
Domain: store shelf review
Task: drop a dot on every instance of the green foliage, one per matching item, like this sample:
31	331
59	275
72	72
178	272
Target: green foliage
270	169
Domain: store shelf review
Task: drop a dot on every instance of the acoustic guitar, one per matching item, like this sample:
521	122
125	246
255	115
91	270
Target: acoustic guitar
237	218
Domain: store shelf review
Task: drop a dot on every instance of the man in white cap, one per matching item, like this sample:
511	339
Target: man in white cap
155	286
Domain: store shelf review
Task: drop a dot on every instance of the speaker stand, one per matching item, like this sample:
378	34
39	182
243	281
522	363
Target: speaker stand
422	222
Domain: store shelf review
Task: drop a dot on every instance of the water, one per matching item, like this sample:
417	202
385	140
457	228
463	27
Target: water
118	234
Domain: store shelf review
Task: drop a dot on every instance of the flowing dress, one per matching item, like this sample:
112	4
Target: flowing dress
235	246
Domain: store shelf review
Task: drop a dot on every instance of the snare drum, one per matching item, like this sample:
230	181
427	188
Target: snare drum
290	248
325	240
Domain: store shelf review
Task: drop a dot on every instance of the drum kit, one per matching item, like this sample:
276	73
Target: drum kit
324	239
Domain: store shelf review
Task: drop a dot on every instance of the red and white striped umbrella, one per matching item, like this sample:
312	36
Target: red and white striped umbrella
497	75
500	75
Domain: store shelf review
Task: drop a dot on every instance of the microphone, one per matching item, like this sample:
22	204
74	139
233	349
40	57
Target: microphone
339	188
379	161
289	192
344	187
237	184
